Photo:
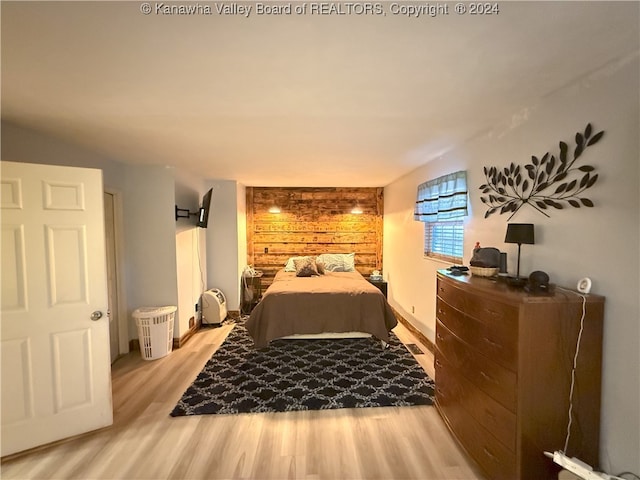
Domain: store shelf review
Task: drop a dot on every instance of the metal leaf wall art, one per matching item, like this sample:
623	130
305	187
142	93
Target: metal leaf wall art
546	183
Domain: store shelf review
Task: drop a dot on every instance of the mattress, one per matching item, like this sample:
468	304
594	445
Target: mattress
336	302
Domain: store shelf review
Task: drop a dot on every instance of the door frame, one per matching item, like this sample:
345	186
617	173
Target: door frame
118	232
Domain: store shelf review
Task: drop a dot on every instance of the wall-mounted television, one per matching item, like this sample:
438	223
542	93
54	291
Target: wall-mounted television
203	212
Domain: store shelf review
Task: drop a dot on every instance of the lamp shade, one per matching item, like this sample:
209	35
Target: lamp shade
519	233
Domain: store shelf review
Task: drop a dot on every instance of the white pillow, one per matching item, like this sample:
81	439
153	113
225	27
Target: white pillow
337	262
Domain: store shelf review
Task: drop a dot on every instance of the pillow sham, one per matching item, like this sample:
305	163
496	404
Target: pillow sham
290	266
337	262
305	267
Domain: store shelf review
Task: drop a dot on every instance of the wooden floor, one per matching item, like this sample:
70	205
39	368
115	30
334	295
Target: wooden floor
146	443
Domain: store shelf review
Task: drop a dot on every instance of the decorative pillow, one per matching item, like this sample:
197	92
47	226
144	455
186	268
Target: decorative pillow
290	266
338	262
305	267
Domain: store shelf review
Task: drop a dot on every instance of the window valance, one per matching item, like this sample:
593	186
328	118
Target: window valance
442	199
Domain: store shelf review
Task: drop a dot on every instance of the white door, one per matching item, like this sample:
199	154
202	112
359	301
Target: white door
56	375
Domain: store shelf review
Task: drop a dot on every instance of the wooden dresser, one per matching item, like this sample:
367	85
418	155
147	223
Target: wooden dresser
503	374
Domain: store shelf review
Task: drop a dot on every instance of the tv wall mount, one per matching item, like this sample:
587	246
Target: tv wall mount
184	213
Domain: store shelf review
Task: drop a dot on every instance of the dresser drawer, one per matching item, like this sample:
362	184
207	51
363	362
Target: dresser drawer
495	459
475	305
489	311
493	379
451	387
452	295
497	340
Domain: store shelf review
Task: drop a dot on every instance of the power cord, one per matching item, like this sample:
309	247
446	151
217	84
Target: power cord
627	473
203	300
573	369
199	261
575	463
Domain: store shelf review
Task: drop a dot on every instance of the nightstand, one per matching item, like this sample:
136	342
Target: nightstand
251	292
381	284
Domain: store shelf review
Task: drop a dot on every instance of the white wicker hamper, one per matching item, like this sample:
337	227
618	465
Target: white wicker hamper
155	330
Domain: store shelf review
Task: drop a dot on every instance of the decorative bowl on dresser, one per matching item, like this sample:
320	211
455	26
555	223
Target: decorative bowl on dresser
503	374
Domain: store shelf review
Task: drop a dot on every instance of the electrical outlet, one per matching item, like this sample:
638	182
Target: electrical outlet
266	249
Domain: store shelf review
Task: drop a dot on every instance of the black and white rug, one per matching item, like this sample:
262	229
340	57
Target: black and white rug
305	375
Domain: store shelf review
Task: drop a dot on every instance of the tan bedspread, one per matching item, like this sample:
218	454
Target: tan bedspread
333	302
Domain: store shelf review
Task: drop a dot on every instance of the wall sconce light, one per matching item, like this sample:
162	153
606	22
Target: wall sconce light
357	210
274	209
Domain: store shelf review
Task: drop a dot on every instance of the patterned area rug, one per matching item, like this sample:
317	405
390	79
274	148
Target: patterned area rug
305	375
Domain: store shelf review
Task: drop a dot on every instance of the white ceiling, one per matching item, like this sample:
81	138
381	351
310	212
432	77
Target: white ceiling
293	100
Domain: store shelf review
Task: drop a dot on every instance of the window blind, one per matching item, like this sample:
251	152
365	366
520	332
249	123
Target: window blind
444	240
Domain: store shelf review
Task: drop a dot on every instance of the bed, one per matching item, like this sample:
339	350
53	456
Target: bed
335	303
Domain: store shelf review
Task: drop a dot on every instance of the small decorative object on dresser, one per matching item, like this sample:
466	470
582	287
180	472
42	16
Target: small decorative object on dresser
538	283
503	367
584	285
485	262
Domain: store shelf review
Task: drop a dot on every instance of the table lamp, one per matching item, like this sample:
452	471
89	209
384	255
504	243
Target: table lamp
519	233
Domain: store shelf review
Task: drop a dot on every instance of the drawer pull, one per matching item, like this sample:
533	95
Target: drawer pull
438	364
487	377
488	453
490	414
493	344
493	313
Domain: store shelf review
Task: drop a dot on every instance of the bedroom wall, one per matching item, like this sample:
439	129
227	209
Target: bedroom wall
22	144
224	239
148	197
190	277
191	252
149	238
160	254
241	205
313	221
601	242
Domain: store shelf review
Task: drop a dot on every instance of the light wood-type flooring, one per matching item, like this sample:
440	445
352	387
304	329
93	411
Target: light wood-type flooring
146	443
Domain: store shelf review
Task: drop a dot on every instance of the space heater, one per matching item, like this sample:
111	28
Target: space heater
214	307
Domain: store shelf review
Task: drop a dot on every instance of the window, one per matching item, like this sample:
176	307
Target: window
442	204
444	240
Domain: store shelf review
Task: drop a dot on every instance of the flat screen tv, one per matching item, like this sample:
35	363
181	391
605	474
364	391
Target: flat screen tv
203	212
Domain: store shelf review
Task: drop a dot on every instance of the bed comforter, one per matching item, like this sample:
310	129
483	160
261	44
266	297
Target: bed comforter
334	302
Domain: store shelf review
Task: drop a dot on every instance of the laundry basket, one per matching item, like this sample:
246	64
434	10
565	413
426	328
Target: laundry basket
155	330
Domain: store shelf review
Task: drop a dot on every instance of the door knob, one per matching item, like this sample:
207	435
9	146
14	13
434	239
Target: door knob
97	315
